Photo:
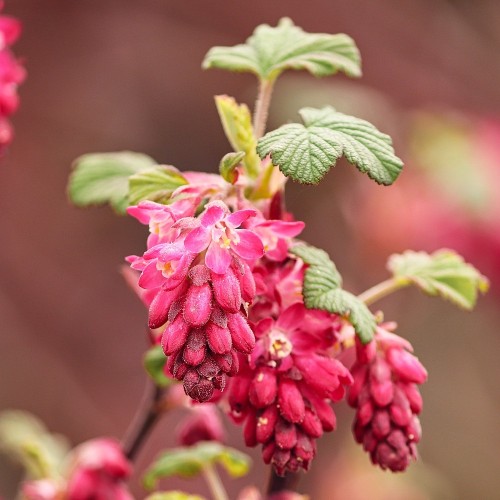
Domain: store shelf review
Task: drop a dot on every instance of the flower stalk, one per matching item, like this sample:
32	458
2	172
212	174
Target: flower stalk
262	107
381	290
144	421
214	483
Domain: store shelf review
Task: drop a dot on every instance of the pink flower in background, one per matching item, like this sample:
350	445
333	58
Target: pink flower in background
387	400
11	75
202	424
97	470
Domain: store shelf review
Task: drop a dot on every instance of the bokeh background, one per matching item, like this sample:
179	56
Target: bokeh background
108	75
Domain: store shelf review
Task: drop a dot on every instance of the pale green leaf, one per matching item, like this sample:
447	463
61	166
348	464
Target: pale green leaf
237	123
25	438
305	153
100	178
228	164
443	273
154	183
188	462
173	495
271	50
322	290
154	363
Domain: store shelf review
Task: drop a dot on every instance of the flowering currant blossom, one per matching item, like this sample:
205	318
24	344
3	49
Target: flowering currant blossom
284	388
97	470
200	277
387	400
11	75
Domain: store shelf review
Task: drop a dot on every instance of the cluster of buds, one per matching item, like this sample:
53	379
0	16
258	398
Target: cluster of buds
11	75
198	272
284	390
387	400
97	469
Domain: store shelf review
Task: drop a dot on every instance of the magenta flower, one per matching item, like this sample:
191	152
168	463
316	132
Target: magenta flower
11	75
203	424
387	400
217	233
97	469
283	391
277	236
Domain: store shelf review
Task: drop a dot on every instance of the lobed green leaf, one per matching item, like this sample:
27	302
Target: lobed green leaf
156	184
25	438
443	273
272	50
305	153
322	290
188	462
100	178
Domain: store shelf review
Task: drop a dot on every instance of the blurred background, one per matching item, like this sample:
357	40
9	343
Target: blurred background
108	75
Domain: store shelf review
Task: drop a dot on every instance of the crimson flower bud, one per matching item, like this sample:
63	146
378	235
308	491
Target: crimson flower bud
227	291
198	305
264	388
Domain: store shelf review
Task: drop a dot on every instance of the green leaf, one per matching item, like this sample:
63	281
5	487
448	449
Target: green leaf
173	495
271	50
155	184
322	290
228	164
188	462
237	123
305	153
100	178
443	273
154	362
25	438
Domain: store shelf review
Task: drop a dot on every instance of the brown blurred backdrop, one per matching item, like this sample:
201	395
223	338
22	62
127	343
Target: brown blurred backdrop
106	75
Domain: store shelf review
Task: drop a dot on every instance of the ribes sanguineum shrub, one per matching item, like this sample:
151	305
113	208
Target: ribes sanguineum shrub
245	317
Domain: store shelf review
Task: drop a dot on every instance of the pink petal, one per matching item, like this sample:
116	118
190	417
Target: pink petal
250	246
197	240
291	318
151	277
214	213
284	229
217	258
237	218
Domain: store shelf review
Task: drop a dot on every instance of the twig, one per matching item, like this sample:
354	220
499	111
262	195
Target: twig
145	419
288	482
379	291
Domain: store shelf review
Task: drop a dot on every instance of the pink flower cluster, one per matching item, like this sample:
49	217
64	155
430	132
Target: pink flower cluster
11	75
197	274
97	470
387	400
285	387
225	300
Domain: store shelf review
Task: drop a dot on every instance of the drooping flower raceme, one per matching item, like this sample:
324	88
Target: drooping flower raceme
200	277
284	389
387	400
